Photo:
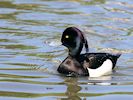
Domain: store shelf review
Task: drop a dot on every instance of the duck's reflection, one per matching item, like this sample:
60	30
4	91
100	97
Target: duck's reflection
104	80
74	86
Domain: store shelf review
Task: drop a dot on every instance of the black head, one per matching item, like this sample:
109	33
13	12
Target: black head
74	40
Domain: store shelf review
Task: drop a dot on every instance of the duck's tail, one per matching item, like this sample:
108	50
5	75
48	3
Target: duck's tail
118	55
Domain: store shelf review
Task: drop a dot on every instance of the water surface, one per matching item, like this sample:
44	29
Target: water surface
30	52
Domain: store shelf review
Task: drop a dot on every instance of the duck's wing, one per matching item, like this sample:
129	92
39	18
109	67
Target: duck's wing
95	60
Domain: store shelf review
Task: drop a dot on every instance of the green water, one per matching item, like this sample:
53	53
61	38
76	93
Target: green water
30	50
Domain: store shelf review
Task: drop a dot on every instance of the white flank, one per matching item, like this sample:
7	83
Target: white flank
104	69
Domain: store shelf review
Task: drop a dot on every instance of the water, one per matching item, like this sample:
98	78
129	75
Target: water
30	50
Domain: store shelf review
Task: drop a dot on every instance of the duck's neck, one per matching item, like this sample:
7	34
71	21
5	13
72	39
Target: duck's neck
75	52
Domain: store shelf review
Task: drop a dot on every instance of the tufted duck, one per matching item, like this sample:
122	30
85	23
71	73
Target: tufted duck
88	64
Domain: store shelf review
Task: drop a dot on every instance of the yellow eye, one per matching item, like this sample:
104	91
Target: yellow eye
67	36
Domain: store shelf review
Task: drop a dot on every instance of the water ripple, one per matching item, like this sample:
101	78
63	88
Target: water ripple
30	48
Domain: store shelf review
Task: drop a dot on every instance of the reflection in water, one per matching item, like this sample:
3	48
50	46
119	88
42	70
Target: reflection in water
103	80
72	89
78	90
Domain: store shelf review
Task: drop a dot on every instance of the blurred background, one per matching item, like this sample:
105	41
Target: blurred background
30	48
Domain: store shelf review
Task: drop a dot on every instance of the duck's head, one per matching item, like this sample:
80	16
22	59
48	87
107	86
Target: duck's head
74	40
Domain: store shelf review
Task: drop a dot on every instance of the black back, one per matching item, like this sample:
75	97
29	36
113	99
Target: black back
95	60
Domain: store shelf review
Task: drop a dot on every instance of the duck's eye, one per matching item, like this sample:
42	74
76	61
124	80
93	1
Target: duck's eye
67	36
